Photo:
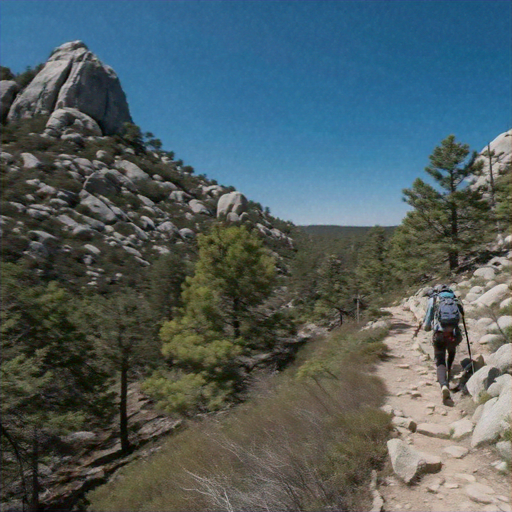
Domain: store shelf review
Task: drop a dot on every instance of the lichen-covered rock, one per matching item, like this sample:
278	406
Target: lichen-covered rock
73	77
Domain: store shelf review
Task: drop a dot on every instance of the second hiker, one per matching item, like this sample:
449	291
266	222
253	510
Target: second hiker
443	315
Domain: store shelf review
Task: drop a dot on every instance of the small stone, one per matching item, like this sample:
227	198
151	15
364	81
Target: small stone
416	394
461	429
457	452
403	366
479	493
502	467
451	485
465	476
434	430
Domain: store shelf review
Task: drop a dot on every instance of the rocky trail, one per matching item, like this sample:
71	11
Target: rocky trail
456	476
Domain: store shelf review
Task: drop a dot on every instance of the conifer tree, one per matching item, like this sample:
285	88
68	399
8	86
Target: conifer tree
233	277
449	214
122	327
373	263
51	381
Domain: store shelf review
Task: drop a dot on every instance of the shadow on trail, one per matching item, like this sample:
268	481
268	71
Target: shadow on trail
400	326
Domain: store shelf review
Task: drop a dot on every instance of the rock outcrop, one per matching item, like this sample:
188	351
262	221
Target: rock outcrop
74	78
8	91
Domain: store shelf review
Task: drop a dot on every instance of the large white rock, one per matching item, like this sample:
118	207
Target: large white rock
476	384
198	207
234	202
496	412
486	273
502	147
494	296
132	171
31	162
98	207
73	77
64	118
500	385
504	321
502	358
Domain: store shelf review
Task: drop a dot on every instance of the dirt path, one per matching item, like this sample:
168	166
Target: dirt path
413	392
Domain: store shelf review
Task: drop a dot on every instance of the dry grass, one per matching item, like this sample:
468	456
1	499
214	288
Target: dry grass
308	442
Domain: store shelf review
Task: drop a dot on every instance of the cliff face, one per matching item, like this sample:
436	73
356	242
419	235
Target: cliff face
73	77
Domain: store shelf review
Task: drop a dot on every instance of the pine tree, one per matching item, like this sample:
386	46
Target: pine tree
450	215
233	277
51	379
122	328
373	263
338	288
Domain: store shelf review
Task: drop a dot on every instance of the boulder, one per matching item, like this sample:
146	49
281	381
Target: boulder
73	77
30	162
461	429
495	411
198	207
499	385
478	381
505	450
65	118
101	183
104	156
147	223
487	273
494	296
504	322
131	171
168	228
489	338
187	233
502	358
501	146
179	196
8	91
98	207
234	202
409	463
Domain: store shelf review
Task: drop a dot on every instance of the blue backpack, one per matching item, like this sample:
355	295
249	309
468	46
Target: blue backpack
447	310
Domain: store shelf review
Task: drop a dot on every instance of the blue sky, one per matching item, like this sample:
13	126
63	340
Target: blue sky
321	110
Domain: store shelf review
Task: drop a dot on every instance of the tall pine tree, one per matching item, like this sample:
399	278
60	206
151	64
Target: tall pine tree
449	214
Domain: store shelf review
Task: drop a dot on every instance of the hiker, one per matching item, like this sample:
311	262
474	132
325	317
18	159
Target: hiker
443	314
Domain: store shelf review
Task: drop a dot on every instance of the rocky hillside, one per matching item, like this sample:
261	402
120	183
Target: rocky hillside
77	197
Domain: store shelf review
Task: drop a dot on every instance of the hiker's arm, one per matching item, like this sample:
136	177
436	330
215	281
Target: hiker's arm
429	316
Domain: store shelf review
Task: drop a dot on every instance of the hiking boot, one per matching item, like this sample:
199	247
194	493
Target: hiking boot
445	392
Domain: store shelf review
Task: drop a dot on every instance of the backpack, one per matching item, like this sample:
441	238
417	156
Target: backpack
447	311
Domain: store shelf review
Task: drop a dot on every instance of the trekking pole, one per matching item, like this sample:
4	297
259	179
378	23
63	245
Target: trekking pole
469	346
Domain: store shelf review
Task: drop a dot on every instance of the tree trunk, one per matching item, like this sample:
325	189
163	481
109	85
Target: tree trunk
236	318
340	313
123	406
34	501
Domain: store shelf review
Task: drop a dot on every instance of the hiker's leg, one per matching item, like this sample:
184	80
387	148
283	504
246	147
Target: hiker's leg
440	358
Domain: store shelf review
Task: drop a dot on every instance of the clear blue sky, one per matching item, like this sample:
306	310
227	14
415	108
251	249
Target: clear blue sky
321	110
